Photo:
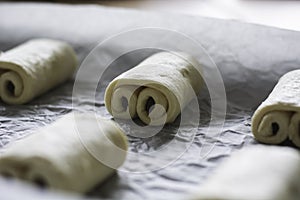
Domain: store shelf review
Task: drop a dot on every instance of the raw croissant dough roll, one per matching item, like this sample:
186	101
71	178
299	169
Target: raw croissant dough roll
33	68
255	173
54	156
277	118
155	90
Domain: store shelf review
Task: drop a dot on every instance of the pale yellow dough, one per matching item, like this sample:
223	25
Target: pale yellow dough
33	68
58	155
156	90
277	118
255	173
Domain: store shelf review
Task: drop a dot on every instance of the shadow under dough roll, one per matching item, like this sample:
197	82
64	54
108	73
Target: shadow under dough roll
33	68
156	90
278	117
75	153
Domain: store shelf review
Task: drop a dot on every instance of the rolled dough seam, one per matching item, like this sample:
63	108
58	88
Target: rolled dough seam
33	68
156	90
74	153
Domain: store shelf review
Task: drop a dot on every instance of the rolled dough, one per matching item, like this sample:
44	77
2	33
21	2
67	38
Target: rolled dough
277	118
33	68
58	156
156	90
255	172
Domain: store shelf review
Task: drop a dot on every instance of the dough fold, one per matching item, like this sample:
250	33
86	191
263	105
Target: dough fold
277	118
33	68
255	172
75	153
156	90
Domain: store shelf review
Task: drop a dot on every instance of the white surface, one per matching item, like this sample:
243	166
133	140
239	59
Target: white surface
282	14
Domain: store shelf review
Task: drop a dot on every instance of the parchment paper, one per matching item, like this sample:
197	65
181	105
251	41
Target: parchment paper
250	58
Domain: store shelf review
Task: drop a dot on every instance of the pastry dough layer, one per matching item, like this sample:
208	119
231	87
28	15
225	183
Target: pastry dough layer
277	118
156	90
33	68
58	155
259	172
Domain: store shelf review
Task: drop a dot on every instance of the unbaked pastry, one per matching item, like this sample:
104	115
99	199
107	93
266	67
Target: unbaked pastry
74	153
156	90
255	173
33	68
277	118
